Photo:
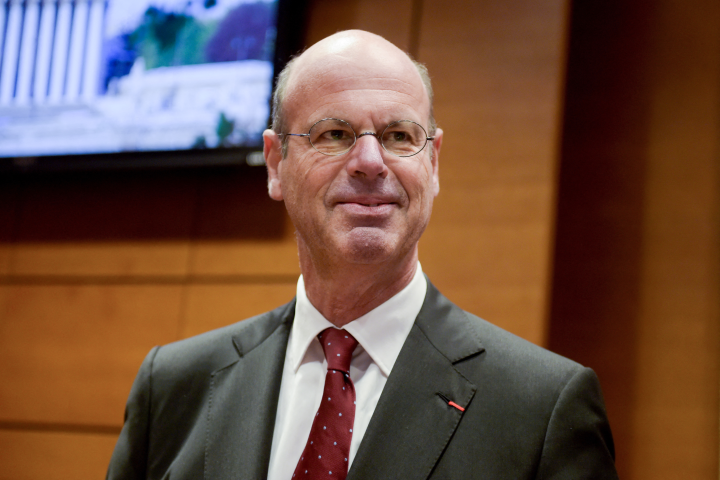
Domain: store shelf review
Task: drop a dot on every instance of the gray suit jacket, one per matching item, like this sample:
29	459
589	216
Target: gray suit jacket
205	407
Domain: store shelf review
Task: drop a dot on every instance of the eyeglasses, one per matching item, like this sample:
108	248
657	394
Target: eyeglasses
332	136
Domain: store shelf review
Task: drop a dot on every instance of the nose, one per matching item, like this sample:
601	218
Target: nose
366	157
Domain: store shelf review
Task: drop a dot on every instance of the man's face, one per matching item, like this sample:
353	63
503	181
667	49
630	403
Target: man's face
365	206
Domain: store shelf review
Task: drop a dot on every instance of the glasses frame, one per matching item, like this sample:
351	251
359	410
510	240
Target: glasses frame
356	136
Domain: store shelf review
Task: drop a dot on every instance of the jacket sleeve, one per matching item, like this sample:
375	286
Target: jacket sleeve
129	459
578	443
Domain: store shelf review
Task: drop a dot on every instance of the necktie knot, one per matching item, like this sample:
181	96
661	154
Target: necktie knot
338	346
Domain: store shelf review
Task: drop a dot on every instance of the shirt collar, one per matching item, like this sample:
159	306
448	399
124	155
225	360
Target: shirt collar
381	332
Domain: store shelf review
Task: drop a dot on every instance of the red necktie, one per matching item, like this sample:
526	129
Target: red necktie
328	446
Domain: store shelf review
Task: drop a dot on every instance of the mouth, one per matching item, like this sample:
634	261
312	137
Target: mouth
367	204
367	208
367	200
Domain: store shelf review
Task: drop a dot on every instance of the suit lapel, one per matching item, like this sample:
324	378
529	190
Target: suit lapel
413	423
243	401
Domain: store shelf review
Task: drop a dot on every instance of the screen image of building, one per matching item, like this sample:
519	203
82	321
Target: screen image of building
195	75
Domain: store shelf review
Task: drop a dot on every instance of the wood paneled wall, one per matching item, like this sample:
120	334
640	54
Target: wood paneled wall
97	268
498	69
636	285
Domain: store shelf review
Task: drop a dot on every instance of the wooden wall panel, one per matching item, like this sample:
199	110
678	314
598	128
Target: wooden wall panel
391	21
636	287
69	353
8	208
497	68
119	258
214	306
678	324
596	282
104	224
256	258
33	455
239	230
4	258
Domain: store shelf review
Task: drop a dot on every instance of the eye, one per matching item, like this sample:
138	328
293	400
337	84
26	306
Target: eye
331	131
404	138
336	134
398	136
332	136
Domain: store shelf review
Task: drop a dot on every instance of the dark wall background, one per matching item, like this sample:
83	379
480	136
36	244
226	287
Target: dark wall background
635	284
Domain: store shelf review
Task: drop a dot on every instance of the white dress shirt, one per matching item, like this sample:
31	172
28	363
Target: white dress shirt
380	333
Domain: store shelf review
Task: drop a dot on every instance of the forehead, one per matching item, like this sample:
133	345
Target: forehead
358	86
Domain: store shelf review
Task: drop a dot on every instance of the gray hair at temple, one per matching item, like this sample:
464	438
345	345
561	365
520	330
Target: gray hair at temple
279	122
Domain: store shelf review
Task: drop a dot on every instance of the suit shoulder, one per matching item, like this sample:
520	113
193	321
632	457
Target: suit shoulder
467	339
516	352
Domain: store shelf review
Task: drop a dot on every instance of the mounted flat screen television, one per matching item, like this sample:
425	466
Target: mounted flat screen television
133	83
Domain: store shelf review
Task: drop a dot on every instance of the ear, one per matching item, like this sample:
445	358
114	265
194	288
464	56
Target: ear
436	144
273	159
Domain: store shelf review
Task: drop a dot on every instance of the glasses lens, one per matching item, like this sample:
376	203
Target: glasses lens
404	138
332	136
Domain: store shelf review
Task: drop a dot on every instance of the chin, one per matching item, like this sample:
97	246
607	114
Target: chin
369	246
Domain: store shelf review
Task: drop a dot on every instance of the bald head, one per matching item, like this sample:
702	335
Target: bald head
352	53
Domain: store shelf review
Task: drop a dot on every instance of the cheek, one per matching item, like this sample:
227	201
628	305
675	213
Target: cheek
308	179
417	181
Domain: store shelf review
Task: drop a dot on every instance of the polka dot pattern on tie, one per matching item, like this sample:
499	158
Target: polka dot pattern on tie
328	446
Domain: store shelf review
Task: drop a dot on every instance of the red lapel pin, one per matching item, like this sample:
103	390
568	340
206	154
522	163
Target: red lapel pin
450	402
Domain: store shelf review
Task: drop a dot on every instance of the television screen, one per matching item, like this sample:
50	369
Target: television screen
101	76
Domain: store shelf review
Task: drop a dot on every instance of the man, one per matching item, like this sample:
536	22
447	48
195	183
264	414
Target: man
426	390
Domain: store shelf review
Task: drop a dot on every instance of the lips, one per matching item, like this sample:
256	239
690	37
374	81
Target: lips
367	201
367	204
366	207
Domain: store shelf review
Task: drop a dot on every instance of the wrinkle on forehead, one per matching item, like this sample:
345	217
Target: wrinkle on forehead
379	87
328	83
336	84
382	110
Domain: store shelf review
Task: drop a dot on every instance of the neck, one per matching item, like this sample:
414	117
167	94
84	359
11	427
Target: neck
342	293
